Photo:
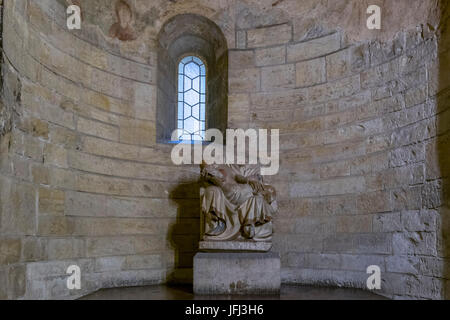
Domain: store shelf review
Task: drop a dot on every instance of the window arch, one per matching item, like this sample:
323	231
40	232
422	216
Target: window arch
192	68
192	87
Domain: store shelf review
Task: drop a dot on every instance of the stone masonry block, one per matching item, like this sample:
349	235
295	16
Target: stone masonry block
237	273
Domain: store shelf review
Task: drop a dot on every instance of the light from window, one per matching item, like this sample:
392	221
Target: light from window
191	99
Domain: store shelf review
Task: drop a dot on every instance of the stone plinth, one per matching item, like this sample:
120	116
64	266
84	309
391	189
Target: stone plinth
236	273
235	246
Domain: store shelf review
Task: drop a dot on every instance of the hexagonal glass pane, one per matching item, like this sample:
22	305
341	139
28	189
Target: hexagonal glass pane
192	70
196	112
191	97
196	84
187	84
191	125
187	111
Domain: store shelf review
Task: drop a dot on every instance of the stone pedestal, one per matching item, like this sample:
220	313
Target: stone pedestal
235	246
236	273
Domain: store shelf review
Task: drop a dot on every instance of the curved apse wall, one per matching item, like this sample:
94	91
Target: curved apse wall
362	122
85	182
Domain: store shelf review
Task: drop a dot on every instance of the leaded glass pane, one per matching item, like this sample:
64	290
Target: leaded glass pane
192	70
191	99
202	84
187	84
196	84
197	61
186	60
180	111
187	111
196	112
202	112
180	84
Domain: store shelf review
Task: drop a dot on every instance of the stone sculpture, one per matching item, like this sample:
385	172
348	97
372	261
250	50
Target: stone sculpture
237	212
237	207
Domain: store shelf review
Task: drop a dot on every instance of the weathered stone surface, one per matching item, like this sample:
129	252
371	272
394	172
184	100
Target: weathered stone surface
270	56
33	249
334	90
380	74
55	155
239	110
348	61
241	59
389	222
306	28
363	118
3	284
418	243
244	80
269	36
224	246
354	224
310	72
153	261
18	207
9	251
61	249
241	39
333	187
314	48
51	201
107	246
286	99
17	281
98	129
237	273
278	77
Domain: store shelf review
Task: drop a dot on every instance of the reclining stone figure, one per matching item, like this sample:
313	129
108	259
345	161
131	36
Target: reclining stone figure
236	204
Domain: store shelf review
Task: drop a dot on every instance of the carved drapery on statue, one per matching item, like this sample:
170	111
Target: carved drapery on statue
236	204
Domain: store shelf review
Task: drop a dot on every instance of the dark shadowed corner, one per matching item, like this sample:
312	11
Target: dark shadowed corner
183	235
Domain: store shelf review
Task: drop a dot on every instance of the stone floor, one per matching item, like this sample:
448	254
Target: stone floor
185	293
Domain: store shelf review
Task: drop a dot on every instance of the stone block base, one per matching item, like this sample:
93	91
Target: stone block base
237	273
235	246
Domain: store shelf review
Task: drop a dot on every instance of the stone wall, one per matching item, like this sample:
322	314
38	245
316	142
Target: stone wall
358	124
364	138
5	112
82	179
439	149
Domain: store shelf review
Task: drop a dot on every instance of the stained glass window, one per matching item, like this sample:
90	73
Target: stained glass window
191	99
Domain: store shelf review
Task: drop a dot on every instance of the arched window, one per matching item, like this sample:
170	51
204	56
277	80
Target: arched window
192	80
191	115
